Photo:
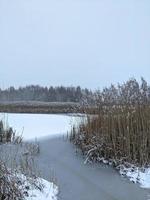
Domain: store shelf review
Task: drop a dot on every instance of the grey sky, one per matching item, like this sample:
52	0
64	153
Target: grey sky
73	42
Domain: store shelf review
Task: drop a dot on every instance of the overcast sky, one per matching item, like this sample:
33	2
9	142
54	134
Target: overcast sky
91	43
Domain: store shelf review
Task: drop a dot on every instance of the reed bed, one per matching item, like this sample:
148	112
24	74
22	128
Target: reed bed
7	134
17	165
9	184
118	133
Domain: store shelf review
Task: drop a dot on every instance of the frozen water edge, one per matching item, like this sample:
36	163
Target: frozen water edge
49	192
137	175
41	190
45	125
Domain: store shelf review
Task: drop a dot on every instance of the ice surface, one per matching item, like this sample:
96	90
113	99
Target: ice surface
33	126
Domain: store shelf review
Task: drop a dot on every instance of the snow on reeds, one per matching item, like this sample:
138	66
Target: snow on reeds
120	131
19	175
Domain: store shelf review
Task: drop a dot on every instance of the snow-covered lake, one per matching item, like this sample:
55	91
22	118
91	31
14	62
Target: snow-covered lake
33	126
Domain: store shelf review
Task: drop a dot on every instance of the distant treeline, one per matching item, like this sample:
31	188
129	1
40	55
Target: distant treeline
130	92
45	94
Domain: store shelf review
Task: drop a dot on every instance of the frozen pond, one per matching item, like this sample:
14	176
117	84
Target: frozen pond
33	126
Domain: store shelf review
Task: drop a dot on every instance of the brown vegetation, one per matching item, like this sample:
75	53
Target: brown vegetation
17	165
120	130
39	107
7	134
9	184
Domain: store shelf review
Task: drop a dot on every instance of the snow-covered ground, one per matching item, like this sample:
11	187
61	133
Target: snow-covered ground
33	126
49	191
133	173
34	189
137	175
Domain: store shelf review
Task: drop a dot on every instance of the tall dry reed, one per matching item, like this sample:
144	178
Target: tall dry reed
120	130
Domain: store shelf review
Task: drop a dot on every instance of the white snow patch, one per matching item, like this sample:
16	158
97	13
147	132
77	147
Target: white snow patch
49	192
137	175
133	173
34	126
37	189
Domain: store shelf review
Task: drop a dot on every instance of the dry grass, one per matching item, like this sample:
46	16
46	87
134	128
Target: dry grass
7	134
9	184
16	159
119	133
39	107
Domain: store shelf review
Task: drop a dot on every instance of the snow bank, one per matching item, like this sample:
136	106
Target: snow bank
36	189
49	192
133	173
137	175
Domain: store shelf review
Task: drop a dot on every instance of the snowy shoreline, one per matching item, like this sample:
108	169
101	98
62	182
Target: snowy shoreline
135	174
49	191
49	141
33	189
73	175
